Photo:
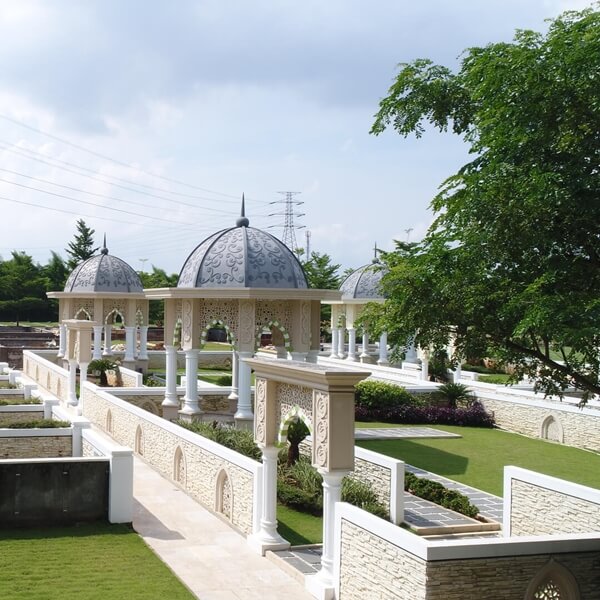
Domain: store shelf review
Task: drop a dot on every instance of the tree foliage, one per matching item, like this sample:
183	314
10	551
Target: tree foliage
82	246
157	278
511	264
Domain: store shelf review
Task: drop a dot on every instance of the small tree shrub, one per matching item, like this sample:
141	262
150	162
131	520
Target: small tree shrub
456	393
381	395
37	424
498	379
473	416
435	492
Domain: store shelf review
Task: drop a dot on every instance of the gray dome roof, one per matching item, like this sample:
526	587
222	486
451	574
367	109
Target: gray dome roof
364	283
242	257
104	273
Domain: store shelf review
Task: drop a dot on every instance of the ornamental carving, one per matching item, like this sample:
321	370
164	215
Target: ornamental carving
305	322
321	425
290	396
273	311
246	332
260	406
187	321
220	311
104	273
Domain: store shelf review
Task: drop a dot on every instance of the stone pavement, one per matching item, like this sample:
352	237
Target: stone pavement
211	559
396	433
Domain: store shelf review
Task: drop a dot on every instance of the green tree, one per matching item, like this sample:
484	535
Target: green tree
82	246
157	278
56	272
511	263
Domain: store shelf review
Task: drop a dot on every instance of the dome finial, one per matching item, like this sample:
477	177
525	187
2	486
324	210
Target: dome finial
375	251
243	220
104	248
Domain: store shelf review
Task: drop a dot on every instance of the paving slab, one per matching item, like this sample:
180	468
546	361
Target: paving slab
211	559
397	433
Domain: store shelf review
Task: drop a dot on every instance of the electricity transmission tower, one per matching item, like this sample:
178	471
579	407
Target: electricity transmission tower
289	228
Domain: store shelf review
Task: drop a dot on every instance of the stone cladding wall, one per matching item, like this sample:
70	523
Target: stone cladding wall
538	510
46	374
373	569
581	430
378	476
506	577
196	469
6	418
36	447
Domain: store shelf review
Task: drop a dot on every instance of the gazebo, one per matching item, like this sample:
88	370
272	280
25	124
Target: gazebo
248	282
106	290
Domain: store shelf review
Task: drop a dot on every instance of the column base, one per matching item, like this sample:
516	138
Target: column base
244	423
352	358
320	587
190	417
383	363
170	413
261	544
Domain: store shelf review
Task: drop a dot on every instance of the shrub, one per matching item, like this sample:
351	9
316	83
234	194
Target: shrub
361	494
481	369
37	424
437	493
224	380
16	401
456	393
378	395
473	416
498	379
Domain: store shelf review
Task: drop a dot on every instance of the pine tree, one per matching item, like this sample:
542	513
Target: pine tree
82	246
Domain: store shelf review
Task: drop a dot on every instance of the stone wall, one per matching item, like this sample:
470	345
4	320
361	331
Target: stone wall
372	569
33	446
149	402
204	469
563	423
38	366
19	416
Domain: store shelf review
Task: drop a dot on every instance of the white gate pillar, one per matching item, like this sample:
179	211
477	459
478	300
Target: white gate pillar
97	342
351	345
143	342
170	405
107	340
383	350
190	400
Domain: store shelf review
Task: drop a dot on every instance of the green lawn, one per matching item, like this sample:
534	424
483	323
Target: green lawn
299	528
90	562
479	456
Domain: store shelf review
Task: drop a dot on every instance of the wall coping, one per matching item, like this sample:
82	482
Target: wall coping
193	438
56	459
13	408
23	433
107	447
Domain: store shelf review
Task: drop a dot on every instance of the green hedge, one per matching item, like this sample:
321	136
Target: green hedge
36	424
380	395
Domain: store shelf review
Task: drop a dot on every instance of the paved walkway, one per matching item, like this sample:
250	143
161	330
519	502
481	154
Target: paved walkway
206	554
396	433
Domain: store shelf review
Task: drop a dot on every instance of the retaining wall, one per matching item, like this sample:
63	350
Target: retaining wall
36	443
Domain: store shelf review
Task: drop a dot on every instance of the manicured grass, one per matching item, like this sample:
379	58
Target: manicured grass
91	562
291	522
479	456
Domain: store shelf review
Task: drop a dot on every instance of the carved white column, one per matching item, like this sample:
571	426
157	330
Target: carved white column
323	581
171	377
62	340
72	396
365	345
82	379
424	369
334	343
107	340
97	342
234	376
129	344
457	373
351	344
190	400
244	409
267	538
143	355
341	349
383	350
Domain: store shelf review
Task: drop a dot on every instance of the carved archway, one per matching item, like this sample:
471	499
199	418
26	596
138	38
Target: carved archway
230	335
109	421
111	317
83	314
179	467
276	328
292	415
553	582
139	441
551	429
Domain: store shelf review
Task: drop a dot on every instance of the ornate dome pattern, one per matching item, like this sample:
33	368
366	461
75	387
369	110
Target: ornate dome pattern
364	283
104	273
242	257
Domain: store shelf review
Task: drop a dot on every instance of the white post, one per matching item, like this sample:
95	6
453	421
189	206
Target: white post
383	350
190	400
129	344
62	340
97	342
244	409
365	345
234	376
457	373
268	538
341	349
170	403
323	583
334	343
143	342
424	369
107	340
72	396
82	379
351	344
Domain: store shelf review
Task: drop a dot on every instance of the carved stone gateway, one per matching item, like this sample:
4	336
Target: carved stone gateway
325	397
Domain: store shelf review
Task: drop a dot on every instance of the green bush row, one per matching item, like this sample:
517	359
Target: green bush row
439	494
17	401
36	424
498	379
378	394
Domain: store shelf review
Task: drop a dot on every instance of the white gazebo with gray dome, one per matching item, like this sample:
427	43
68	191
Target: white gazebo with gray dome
248	282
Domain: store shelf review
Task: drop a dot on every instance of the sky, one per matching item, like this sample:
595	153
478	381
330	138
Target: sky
149	119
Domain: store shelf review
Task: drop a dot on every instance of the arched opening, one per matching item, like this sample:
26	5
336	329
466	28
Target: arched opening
139	441
552	429
217	331
179	470
274	334
58	389
150	407
224	499
553	582
115	317
37	373
83	315
109	421
292	432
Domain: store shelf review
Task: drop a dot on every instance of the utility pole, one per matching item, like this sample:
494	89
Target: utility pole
289	228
